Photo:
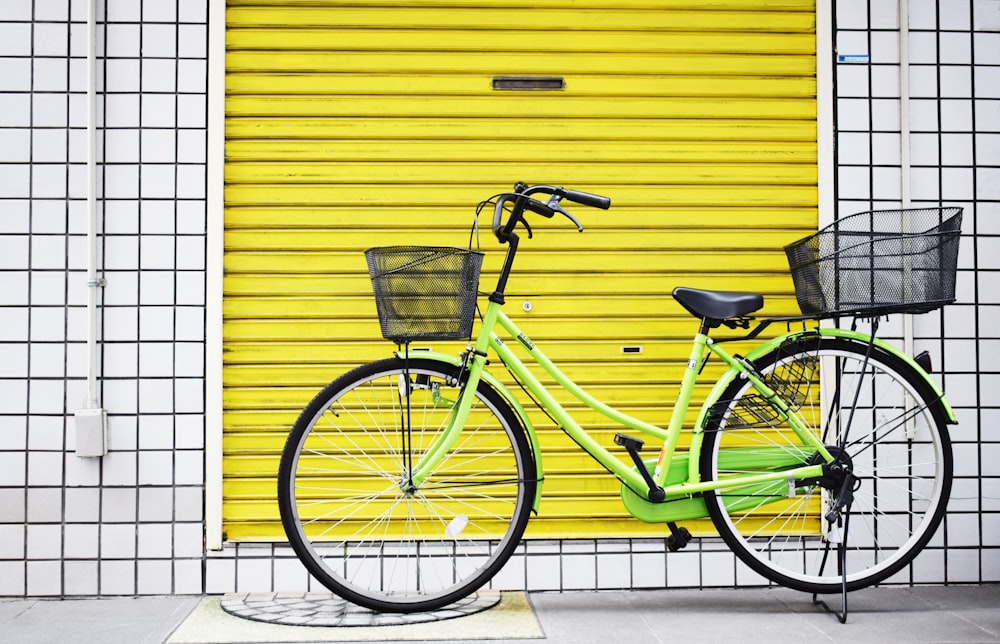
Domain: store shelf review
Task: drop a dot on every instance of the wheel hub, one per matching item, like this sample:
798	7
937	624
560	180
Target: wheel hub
835	473
838	477
406	485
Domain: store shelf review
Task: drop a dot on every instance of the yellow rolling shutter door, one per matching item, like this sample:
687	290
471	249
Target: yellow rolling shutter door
378	123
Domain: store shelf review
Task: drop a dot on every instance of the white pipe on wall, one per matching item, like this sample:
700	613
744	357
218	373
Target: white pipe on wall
91	422
904	101
904	139
93	395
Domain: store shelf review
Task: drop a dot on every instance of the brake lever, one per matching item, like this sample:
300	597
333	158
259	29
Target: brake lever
553	203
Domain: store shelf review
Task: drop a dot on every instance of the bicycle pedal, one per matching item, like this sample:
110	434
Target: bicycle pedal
629	442
679	537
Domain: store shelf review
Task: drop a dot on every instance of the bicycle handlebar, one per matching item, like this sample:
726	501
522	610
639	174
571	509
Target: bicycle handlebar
523	201
587	199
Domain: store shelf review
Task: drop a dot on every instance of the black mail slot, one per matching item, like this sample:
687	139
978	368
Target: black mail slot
528	83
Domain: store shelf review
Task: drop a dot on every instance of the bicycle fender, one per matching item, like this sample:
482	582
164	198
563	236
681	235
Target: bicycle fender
946	408
508	396
767	347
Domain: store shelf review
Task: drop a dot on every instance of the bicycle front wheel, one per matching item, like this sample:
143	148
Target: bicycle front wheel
355	519
877	415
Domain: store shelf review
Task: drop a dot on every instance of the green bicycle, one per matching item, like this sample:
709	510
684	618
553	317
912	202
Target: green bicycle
407	483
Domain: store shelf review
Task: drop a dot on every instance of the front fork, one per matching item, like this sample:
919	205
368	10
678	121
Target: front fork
407	385
476	361
462	407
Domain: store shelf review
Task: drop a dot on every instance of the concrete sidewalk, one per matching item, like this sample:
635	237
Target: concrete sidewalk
922	614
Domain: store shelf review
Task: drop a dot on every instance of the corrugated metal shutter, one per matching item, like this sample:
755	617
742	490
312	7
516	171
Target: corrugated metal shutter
377	123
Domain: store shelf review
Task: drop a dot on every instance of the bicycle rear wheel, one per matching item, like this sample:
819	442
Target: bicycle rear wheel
878	416
354	519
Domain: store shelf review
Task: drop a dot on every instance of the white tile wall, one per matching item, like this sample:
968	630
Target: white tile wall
57	507
132	522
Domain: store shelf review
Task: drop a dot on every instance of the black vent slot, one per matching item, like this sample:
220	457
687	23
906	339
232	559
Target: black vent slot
529	83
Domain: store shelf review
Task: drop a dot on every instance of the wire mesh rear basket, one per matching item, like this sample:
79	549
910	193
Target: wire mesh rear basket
424	292
878	262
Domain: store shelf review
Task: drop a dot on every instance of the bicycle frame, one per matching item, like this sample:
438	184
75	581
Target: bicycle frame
643	495
682	485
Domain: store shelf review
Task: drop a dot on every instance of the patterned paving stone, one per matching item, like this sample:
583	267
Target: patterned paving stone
323	609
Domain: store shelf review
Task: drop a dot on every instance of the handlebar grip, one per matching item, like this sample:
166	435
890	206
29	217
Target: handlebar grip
587	199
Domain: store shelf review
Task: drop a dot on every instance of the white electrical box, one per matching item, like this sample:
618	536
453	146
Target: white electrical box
91	432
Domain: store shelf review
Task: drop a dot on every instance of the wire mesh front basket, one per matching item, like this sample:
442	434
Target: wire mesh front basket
424	292
878	262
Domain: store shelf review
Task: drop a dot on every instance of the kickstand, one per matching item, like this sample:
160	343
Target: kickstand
842	566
